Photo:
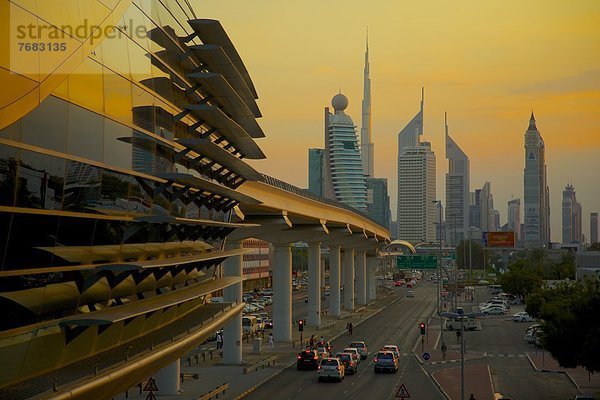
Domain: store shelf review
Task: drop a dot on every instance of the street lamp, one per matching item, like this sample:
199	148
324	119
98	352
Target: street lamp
439	291
462	316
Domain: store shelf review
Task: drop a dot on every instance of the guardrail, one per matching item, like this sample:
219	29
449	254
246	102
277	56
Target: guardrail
186	376
264	363
216	392
196	356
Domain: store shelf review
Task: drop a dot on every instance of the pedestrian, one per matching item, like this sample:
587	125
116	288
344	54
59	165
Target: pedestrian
311	341
444	348
458	333
219	340
271	341
472	397
350	327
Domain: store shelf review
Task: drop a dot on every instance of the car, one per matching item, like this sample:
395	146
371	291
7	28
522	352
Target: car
483	282
454	323
410	293
260	324
307	359
487	307
522	317
322	352
354	352
361	347
393	348
584	397
268	324
330	368
409	285
494	310
350	364
325	344
385	361
397	283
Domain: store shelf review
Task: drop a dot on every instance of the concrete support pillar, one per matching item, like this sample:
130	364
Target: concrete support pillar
349	279
314	284
232	331
322	272
371	279
282	293
361	278
167	380
334	280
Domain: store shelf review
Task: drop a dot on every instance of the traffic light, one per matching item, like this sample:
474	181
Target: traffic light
301	325
422	327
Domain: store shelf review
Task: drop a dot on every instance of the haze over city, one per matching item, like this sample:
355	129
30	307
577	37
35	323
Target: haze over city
487	65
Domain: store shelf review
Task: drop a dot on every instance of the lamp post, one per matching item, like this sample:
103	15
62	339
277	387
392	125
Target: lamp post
439	291
470	254
462	316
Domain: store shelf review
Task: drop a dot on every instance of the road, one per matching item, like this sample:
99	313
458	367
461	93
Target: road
398	324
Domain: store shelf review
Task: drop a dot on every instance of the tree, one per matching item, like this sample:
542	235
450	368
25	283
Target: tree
521	280
594	247
569	330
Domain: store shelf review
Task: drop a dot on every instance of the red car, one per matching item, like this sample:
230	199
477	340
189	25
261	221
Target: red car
409	285
398	283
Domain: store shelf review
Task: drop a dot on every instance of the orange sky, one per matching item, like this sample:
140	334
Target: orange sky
487	63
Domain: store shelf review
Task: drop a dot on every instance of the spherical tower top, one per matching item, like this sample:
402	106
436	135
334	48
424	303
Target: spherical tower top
339	102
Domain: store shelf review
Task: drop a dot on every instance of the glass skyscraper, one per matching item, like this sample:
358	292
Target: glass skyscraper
536	193
344	176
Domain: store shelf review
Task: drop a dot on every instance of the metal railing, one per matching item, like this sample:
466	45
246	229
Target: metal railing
269	180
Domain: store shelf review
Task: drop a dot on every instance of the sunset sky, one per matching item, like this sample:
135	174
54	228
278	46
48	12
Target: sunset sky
488	64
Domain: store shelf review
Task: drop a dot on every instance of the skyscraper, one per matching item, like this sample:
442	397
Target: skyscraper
457	190
344	177
366	146
571	216
475	208
378	201
416	183
514	217
315	171
536	193
594	227
487	208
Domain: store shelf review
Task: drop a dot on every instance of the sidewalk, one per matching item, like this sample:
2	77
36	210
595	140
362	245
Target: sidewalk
544	362
213	373
478	381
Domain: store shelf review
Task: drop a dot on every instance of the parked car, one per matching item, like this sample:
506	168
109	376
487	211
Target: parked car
330	368
268	324
494	310
385	361
307	359
361	347
522	317
350	364
410	293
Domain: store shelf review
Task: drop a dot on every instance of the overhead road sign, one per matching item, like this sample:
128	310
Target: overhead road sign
416	262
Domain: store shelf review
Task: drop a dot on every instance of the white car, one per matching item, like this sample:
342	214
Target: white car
330	368
393	348
522	317
488	306
362	349
355	353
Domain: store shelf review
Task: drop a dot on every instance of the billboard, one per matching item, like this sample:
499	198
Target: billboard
499	239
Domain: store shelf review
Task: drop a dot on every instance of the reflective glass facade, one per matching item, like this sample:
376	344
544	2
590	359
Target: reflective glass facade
117	185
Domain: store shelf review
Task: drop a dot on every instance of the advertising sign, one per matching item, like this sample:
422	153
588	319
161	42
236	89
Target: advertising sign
499	239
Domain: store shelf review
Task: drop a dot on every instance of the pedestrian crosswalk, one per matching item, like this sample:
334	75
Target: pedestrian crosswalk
506	355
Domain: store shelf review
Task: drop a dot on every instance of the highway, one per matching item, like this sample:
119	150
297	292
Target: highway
398	324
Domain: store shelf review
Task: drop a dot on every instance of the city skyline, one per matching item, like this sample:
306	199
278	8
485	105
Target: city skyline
488	91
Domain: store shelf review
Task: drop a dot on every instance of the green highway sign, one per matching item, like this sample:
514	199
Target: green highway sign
416	262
